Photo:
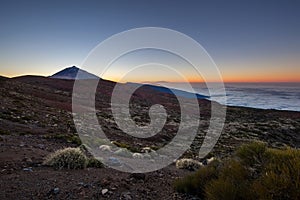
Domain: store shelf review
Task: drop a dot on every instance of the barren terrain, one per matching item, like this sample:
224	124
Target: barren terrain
36	119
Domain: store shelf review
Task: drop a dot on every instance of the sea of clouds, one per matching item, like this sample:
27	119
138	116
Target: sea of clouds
279	96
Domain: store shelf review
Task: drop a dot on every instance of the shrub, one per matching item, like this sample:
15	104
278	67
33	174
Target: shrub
74	139
68	158
277	175
221	189
281	177
252	154
126	146
121	145
195	183
234	170
232	183
95	163
189	164
4	132
84	149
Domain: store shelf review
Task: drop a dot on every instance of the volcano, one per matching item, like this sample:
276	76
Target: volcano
71	74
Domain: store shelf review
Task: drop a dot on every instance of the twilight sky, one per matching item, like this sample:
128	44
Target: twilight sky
248	40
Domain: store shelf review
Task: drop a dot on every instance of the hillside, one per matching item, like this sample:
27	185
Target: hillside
36	119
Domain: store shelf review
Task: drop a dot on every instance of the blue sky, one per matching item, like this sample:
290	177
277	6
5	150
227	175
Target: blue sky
246	39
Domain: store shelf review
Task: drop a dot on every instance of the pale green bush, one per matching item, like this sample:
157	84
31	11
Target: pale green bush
190	164
68	158
255	172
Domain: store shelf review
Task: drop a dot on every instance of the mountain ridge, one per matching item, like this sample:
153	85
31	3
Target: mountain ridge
70	73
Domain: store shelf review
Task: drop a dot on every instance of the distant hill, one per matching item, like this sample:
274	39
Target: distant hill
71	73
3	78
177	92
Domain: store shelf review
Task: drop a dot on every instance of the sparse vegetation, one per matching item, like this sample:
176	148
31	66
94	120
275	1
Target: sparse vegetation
189	164
37	113
281	176
74	139
93	142
253	154
195	183
25	133
4	132
72	158
155	148
95	163
232	182
126	146
68	158
123	153
255	172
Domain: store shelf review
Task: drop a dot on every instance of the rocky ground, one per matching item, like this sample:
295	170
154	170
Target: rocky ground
36	119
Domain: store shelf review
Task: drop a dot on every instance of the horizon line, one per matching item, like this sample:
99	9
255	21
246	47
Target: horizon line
192	82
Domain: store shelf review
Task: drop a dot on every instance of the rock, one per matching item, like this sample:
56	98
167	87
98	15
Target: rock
81	183
209	160
123	153
28	169
137	156
104	191
114	161
189	164
41	146
105	148
85	185
126	196
56	190
146	150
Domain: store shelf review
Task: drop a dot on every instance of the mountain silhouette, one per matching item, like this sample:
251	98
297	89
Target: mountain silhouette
71	74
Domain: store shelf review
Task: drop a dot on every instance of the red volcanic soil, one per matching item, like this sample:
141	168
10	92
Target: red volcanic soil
23	177
36	119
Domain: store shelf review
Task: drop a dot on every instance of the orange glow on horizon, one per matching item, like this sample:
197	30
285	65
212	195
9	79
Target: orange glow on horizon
248	74
226	79
264	78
